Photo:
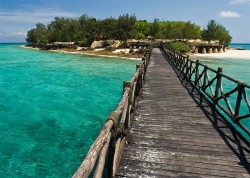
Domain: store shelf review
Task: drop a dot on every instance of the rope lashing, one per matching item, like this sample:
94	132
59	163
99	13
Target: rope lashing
113	117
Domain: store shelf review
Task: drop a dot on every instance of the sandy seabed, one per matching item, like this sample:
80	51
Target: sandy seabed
241	54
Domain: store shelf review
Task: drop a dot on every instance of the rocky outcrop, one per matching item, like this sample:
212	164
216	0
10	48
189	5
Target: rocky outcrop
98	44
116	43
101	44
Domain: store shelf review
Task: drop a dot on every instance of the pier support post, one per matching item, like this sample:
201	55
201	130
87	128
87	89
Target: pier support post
204	51
196	50
210	50
220	50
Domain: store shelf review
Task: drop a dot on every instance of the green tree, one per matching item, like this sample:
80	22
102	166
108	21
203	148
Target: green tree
142	29
38	35
215	31
56	28
90	27
191	31
155	28
125	26
71	30
108	28
31	36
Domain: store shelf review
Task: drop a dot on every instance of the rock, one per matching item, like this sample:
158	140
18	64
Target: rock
98	44
79	48
116	43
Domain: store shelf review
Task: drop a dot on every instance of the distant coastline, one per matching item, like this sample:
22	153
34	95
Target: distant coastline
245	46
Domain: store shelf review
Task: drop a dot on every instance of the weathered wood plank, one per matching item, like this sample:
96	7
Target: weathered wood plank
173	135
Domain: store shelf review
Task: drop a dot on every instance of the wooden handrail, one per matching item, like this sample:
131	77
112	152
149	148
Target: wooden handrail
199	75
106	151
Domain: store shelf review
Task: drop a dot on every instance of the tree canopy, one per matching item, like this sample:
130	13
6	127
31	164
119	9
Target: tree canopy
87	29
215	31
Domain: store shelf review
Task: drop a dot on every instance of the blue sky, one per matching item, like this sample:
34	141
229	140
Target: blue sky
19	16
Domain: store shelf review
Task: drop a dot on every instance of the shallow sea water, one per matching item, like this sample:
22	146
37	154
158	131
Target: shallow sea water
52	107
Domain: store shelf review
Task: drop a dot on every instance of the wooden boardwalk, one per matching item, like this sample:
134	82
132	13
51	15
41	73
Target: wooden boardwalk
176	135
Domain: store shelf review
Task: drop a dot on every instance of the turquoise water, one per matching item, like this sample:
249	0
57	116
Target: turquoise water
242	45
238	69
52	107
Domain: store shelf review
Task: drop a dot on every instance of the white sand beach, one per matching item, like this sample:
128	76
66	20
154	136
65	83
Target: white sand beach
242	54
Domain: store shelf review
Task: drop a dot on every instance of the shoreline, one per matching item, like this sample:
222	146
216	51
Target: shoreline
100	53
238	54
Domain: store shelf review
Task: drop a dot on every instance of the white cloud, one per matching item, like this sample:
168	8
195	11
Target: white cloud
229	14
15	24
239	1
21	34
33	16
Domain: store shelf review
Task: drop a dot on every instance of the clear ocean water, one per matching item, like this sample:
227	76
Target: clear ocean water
242	45
52	107
238	69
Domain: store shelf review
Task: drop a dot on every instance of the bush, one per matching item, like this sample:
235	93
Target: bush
82	43
110	48
179	46
124	45
139	36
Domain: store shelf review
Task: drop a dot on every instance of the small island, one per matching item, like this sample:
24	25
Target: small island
126	36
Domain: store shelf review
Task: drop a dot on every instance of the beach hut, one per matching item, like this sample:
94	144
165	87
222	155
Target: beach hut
150	38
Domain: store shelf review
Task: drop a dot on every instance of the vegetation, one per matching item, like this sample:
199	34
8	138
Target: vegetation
84	30
179	46
215	31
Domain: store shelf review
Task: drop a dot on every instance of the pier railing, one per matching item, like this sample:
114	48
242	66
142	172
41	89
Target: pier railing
103	157
226	93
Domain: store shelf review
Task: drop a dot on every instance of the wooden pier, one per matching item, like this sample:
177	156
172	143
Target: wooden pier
167	124
174	135
209	49
139	45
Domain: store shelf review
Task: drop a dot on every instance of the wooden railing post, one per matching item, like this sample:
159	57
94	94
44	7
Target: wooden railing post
196	70
238	101
218	83
182	62
205	78
127	85
187	66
